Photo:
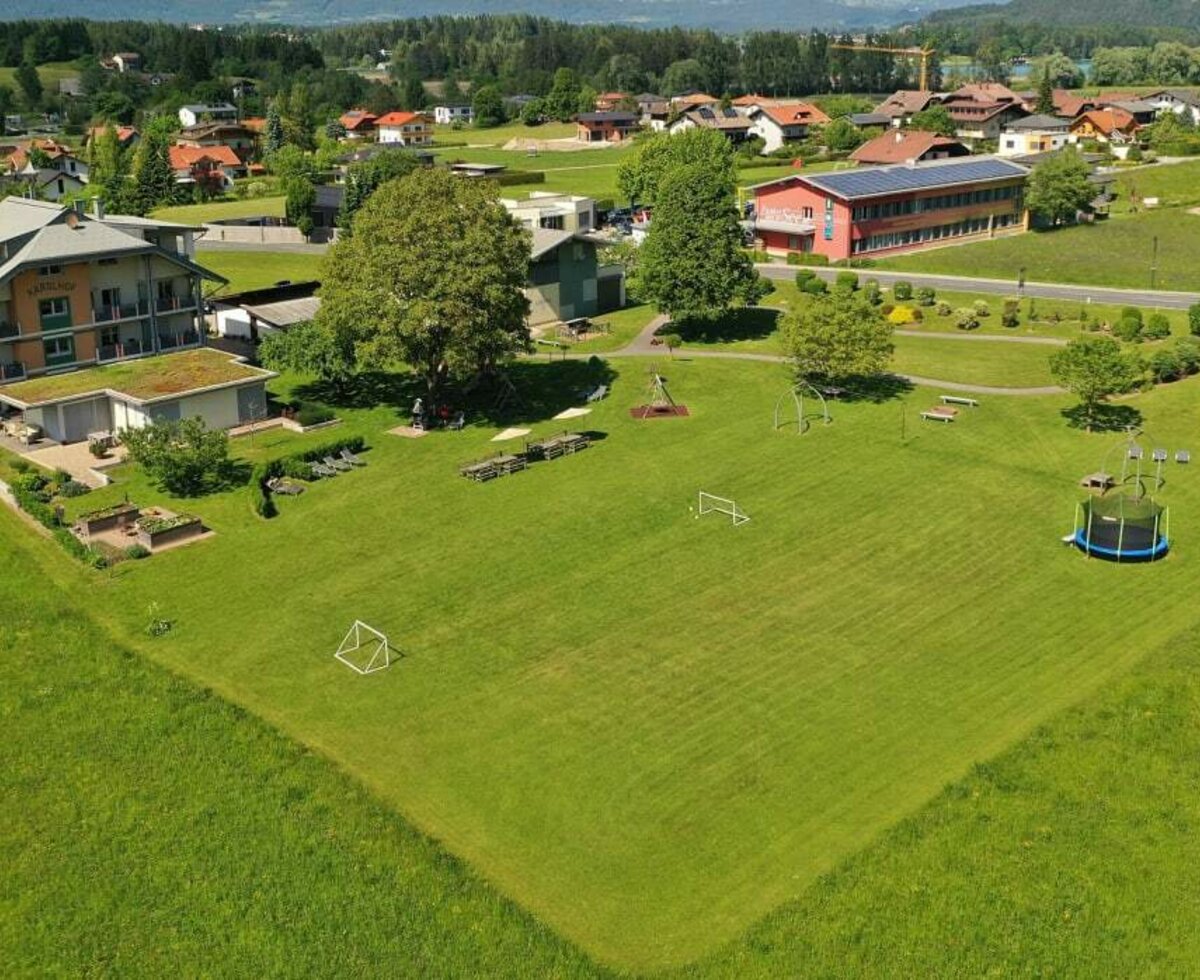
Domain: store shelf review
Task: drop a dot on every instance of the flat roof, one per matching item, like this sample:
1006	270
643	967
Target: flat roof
148	379
896	179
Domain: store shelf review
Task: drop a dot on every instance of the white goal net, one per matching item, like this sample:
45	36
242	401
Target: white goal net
364	649
712	504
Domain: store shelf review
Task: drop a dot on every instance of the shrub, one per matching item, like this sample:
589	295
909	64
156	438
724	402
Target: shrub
1194	319
981	308
846	282
61	476
1132	313
901	315
1093	325
966	319
1157	327
803	276
1165	365
73	488
313	413
944	309
926	295
1129	329
293	466
1010	315
21	465
917	315
97	449
887	308
871	292
137	552
807	258
902	290
1188	352
815	287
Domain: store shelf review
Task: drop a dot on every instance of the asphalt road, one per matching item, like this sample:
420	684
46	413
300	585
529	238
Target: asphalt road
1003	287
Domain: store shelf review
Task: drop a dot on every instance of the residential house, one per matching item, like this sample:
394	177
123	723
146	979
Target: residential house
868	120
902	105
251	314
127	136
241	139
196	113
655	112
558	212
404	129
566	280
981	119
358	123
1143	111
1105	126
985	92
327	205
214	168
124	61
780	123
1040	133
445	115
907	146
883	210
611	101
49	184
606	127
1178	101
729	122
79	290
60	157
693	100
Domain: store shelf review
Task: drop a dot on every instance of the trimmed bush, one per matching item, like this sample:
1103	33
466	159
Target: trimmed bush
846	282
1129	329
1187	350
807	258
1010	315
901	315
872	292
814	287
1132	313
520	177
902	290
944	309
313	413
1165	365
803	276
926	296
981	308
1157	327
295	467
1194	319
966	319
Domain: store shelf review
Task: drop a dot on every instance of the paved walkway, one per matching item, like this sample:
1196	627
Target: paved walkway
76	459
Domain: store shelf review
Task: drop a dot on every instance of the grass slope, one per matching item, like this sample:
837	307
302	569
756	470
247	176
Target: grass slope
151	828
198	214
649	730
253	270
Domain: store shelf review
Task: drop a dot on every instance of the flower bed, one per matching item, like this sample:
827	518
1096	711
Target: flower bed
109	517
154	532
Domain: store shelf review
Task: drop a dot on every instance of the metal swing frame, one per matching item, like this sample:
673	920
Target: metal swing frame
796	394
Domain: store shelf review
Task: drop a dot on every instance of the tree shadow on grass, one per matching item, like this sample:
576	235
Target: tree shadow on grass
368	389
874	389
747	323
1104	418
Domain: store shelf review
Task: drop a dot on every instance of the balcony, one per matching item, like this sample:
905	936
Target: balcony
120	311
174	304
118	352
8	330
13	371
182	338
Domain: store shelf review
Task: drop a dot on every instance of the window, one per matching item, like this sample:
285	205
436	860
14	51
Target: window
50	270
53	307
59	350
110	337
110	296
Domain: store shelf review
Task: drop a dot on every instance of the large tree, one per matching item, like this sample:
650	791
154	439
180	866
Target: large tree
837	337
487	106
433	276
31	85
641	172
692	264
1093	368
109	171
184	457
562	101
363	179
935	119
153	179
1059	187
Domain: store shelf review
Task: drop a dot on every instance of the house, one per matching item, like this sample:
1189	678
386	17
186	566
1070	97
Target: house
196	113
902	105
868	120
1144	112
606	127
479	169
611	101
979	119
241	139
1034	134
79	290
445	115
558	212
358	123
986	92
49	184
655	114
907	145
327	205
566	280
127	136
882	210
692	100
404	129
59	156
251	314
729	122
214	168
1178	101
780	123
1105	126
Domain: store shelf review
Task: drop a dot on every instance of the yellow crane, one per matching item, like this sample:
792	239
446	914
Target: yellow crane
922	53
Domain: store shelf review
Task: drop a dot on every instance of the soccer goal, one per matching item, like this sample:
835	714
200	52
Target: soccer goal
711	504
364	649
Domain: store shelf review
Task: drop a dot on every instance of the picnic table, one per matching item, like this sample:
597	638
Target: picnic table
560	445
509	463
479	472
1097	481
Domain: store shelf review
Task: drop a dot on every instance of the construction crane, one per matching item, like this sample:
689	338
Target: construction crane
922	53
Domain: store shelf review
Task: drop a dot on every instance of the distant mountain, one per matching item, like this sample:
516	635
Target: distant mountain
1183	14
723	15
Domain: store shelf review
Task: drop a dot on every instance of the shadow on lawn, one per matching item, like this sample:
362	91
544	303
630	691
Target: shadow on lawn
875	389
1104	418
748	323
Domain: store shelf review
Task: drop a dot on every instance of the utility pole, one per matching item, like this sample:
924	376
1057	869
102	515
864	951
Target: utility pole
1154	263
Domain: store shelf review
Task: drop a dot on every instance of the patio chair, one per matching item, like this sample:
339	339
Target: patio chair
336	464
457	423
352	458
598	393
320	469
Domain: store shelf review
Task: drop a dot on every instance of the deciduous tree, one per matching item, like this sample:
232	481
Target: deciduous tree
1059	187
935	119
183	457
1093	369
838	337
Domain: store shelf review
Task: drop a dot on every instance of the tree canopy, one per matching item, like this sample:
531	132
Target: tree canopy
1059	187
183	456
1093	368
640	173
935	119
433	276
838	336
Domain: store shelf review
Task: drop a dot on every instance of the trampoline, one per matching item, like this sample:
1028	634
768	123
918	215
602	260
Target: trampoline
1122	527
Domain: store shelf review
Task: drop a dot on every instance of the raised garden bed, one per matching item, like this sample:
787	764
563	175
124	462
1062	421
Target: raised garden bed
96	521
154	532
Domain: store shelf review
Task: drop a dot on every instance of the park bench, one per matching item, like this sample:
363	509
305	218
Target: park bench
959	400
934	415
480	472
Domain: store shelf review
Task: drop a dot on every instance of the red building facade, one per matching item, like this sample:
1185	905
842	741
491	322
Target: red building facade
883	210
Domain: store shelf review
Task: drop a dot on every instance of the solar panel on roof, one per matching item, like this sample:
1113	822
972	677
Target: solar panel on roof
729	112
874	181
706	113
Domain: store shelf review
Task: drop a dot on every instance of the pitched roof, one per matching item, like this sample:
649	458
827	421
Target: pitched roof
354	119
899	145
1040	121
1107	120
398	118
124	133
867	182
904	103
607	117
869	118
794	113
985	92
186	157
707	117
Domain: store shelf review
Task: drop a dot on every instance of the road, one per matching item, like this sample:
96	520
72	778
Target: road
1002	287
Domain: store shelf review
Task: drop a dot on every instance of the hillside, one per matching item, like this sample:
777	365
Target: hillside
1181	14
724	15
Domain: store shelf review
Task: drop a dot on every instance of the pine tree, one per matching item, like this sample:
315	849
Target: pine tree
1045	98
273	131
153	180
110	171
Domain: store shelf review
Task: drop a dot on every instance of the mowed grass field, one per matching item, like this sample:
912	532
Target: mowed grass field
253	270
198	214
648	729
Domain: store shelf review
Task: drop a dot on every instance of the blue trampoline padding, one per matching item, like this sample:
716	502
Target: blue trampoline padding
1125	554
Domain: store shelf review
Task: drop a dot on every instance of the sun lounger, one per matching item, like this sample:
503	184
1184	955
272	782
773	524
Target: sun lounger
959	400
336	464
352	458
285	488
1183	456
320	469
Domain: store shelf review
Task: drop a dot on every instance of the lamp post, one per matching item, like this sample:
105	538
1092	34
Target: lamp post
1020	281
1154	262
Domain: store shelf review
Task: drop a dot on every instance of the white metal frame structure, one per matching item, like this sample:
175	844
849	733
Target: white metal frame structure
710	503
375	642
796	394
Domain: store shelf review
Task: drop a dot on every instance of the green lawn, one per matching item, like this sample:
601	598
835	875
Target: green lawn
1175	185
652	731
972	362
253	270
51	73
1116	252
499	135
198	214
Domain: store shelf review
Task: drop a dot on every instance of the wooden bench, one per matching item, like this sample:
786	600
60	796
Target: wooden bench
959	400
937	416
480	472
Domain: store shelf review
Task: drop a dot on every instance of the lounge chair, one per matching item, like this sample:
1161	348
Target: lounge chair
598	393
336	464
320	469
284	487
351	458
457	423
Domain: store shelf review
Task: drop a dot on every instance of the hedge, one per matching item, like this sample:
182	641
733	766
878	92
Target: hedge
293	465
807	258
520	177
25	492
